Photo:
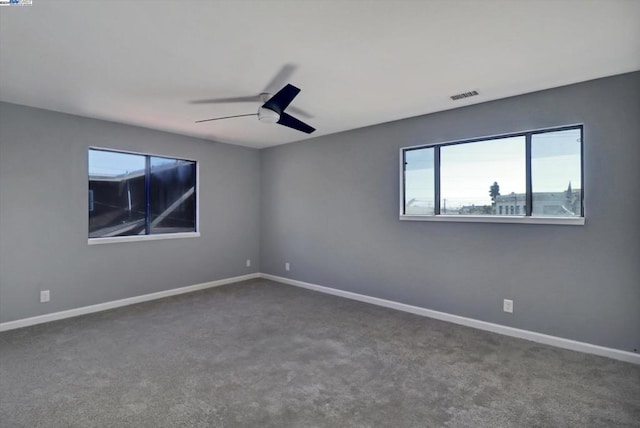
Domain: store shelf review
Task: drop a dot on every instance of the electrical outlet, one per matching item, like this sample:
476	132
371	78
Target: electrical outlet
45	296
287	266
507	306
248	262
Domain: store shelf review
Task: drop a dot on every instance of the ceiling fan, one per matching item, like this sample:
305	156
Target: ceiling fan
272	111
273	107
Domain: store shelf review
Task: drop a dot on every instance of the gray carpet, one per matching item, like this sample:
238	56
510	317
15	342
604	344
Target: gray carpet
261	354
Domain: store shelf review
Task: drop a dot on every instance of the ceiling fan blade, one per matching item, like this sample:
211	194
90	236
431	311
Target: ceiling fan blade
282	99
280	79
292	122
248	99
226	117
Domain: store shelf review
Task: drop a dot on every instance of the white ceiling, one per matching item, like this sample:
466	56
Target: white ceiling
358	63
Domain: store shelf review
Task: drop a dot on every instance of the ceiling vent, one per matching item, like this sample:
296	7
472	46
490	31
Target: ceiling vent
464	95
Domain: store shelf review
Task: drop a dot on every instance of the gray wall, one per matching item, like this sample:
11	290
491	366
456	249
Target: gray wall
330	208
43	215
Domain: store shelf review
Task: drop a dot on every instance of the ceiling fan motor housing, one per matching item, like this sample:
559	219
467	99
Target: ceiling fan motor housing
266	115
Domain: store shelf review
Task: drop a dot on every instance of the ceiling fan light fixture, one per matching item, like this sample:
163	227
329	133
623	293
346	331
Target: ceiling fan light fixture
266	115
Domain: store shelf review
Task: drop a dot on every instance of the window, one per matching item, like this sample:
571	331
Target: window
556	173
420	181
532	176
467	171
137	195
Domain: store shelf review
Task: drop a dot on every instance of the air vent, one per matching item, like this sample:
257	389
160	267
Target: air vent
464	95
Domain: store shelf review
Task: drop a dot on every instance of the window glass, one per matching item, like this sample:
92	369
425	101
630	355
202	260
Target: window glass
419	182
480	178
498	176
134	194
116	194
172	195
556	171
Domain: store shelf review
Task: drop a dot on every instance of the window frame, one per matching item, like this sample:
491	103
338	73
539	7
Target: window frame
525	218
150	237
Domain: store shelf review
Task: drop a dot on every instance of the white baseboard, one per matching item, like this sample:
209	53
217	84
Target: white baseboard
443	316
25	322
546	339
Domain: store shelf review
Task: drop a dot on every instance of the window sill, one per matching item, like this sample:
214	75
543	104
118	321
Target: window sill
137	238
567	221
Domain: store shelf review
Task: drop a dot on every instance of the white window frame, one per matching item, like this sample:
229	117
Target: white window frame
515	219
158	236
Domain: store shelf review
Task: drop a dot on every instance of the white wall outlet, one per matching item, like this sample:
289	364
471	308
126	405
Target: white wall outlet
45	296
507	306
248	262
287	266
